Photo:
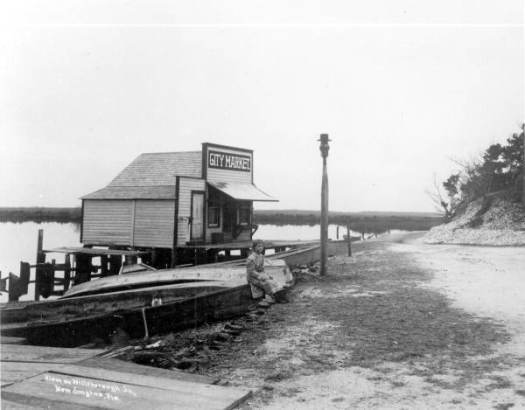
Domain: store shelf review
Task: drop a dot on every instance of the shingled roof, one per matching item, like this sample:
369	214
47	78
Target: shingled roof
151	176
133	192
160	169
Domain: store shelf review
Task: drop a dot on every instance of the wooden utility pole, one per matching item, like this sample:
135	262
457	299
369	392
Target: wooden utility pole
324	204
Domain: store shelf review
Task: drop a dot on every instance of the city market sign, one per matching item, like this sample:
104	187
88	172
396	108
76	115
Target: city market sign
234	162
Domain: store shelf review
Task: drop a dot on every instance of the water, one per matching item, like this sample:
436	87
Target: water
18	241
297	232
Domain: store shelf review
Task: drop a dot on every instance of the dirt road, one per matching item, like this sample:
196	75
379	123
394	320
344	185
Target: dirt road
396	326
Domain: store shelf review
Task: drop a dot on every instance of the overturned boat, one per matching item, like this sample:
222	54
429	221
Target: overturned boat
140	304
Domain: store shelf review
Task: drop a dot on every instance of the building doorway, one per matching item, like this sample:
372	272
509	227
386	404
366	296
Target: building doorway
197	216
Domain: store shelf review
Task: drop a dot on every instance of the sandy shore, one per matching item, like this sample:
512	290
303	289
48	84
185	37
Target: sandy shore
399	325
486	283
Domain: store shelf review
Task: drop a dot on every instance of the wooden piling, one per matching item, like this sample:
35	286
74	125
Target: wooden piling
40	256
115	263
18	286
45	280
40	260
349	239
67	271
83	268
130	260
104	266
195	257
173	262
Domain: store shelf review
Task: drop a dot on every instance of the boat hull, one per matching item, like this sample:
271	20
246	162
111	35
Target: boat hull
138	323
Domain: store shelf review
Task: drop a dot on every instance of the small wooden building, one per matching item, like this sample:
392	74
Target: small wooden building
165	202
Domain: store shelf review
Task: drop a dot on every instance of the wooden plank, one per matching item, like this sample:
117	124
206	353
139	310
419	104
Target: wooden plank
11	405
94	251
40	354
247	244
109	389
13	372
175	385
65	391
129	367
15	401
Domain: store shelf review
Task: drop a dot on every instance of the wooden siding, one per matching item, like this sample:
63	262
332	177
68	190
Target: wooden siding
227	175
107	222
154	223
186	186
245	235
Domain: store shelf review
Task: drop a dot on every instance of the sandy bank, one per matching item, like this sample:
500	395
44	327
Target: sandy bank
487	281
489	221
399	325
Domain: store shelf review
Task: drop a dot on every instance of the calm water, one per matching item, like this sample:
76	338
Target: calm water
18	241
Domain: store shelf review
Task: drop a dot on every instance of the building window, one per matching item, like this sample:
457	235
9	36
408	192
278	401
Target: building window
245	212
214	216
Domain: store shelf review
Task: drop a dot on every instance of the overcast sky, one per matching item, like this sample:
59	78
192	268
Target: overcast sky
400	86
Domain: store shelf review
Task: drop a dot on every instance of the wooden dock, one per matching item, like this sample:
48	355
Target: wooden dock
59	378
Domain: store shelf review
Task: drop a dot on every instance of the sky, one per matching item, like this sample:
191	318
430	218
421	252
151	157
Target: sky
403	88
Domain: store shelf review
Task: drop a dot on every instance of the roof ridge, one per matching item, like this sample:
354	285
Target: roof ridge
137	186
171	152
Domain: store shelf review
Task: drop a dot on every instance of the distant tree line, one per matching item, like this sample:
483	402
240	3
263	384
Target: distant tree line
358	222
498	170
38	214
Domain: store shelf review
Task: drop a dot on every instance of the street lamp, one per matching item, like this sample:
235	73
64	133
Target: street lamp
324	148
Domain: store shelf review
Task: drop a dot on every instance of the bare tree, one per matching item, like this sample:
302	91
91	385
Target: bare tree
440	204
